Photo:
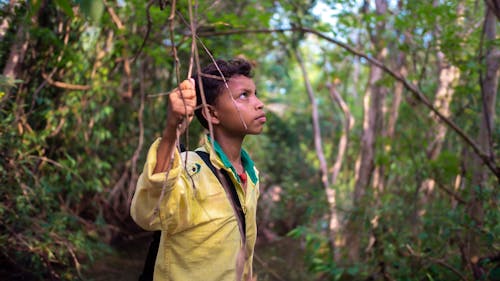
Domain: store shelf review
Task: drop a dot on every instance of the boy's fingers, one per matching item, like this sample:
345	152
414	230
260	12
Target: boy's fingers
187	84
186	107
183	99
188	94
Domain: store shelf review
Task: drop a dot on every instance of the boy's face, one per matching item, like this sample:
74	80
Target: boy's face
238	110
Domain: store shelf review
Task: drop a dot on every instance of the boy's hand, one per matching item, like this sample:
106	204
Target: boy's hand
182	102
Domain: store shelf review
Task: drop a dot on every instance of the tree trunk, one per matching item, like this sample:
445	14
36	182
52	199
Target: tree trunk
5	24
448	77
343	144
379	181
15	59
323	166
372	122
16	55
489	86
397	97
344	138
365	162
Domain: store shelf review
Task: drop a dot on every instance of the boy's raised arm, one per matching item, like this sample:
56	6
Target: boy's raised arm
182	102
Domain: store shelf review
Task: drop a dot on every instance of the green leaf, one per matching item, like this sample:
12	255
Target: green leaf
447	165
353	270
65	5
495	274
92	9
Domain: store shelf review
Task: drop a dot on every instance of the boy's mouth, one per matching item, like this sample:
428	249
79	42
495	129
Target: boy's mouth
261	118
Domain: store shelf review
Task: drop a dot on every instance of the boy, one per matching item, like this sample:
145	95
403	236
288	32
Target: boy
204	237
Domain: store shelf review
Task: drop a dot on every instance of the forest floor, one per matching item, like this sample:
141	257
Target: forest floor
275	261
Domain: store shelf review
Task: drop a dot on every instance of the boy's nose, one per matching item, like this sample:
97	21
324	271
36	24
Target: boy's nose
258	103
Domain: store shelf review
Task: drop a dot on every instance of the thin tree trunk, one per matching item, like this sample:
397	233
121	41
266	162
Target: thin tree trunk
15	59
16	55
448	77
5	24
489	86
397	98
344	138
372	122
329	192
393	114
335	170
365	163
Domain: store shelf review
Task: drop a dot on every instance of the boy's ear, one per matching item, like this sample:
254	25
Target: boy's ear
213	118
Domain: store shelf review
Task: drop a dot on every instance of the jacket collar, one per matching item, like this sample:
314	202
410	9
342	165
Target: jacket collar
223	160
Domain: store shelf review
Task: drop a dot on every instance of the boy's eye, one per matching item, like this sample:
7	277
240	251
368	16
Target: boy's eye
247	94
244	95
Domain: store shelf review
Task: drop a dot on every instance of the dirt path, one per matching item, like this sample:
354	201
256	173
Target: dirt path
124	264
277	261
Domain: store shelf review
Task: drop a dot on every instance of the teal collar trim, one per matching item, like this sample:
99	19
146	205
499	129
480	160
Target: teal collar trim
247	162
248	165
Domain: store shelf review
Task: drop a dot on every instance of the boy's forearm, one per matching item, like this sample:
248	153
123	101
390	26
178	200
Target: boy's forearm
182	102
166	149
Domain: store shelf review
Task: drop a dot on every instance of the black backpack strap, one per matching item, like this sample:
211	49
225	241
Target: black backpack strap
231	189
149	264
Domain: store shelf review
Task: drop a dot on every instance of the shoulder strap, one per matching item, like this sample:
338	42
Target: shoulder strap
230	188
148	269
149	264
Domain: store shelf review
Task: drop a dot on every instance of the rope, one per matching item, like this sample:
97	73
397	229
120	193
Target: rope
194	59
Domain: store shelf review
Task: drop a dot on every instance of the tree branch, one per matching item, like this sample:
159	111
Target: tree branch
344	138
114	16
64	85
419	95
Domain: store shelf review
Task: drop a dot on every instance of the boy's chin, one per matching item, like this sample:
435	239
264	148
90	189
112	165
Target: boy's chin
255	132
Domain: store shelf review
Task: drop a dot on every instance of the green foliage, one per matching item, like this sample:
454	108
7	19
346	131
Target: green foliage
66	156
65	5
91	9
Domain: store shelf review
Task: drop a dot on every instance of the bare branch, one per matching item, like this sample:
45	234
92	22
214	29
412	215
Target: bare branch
344	138
114	16
64	85
419	95
268	268
148	30
436	261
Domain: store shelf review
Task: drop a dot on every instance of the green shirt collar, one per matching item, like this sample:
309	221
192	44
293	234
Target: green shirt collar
247	162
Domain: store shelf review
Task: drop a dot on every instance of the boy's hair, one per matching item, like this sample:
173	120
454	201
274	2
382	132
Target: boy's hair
213	84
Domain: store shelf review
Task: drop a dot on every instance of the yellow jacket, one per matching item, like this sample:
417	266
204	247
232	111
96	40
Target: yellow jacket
200	236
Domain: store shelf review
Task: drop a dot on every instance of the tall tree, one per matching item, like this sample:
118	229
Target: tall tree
490	61
372	118
318	146
448	76
18	47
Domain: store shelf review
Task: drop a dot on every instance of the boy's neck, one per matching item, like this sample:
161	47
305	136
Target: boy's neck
231	146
